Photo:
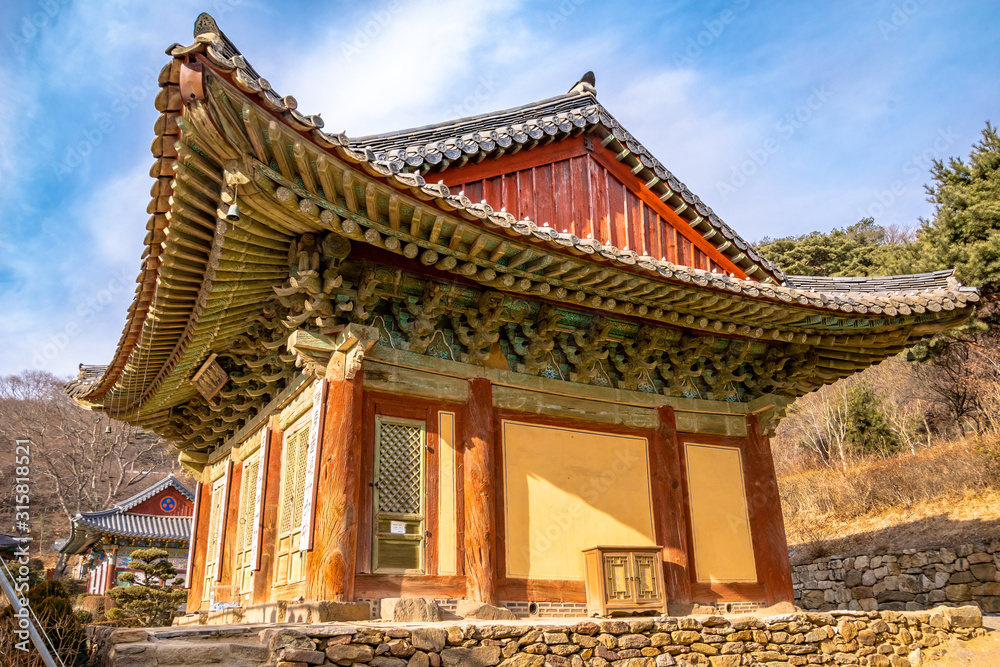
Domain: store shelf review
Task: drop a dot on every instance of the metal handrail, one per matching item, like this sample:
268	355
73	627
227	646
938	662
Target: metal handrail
36	634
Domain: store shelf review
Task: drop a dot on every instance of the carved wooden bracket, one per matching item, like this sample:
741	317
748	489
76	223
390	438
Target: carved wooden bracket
333	358
771	416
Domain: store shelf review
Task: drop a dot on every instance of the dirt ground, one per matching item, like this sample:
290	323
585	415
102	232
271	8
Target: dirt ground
950	521
979	652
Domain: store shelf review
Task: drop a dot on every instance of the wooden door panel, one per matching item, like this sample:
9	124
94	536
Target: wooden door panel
288	569
399	492
646	577
617	577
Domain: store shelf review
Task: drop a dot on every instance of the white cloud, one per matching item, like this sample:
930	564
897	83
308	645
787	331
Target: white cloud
116	217
74	310
674	114
392	68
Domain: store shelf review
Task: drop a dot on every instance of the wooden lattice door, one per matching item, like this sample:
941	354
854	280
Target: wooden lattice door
288	559
214	534
398	496
248	503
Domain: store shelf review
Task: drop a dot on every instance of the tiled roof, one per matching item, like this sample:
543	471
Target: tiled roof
85	379
911	284
119	521
115	522
423	147
412	150
418	146
146	494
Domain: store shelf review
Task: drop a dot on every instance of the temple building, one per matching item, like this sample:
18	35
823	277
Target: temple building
509	358
158	516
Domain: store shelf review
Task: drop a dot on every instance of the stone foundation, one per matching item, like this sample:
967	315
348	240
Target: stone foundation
860	638
905	580
872	639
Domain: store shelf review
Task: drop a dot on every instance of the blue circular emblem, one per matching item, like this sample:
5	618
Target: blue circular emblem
168	504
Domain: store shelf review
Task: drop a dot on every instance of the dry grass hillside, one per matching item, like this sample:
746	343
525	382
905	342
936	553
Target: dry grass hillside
946	494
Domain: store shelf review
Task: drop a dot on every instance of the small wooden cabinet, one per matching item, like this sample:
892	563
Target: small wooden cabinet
624	580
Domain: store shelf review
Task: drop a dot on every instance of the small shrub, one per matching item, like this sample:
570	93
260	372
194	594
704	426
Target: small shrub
52	606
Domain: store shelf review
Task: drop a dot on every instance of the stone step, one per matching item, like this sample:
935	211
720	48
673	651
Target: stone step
182	653
223	654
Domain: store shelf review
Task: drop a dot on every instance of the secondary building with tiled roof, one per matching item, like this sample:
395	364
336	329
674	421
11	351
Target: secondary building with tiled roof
396	363
158	516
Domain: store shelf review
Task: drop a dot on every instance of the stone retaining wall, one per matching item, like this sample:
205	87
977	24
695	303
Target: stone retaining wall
906	580
876	639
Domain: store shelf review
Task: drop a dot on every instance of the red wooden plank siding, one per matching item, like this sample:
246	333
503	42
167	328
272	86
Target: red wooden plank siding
573	188
563	203
616	208
600	196
474	190
544	191
636	230
493	189
526	194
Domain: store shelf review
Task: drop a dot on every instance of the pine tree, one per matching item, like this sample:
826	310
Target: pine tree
868	431
148	599
862	249
965	230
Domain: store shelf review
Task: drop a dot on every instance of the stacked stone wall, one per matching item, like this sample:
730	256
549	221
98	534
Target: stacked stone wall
905	580
876	639
866	639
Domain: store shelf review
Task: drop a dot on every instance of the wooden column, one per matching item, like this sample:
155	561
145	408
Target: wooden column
200	546
671	520
264	577
764	507
112	577
479	493
332	563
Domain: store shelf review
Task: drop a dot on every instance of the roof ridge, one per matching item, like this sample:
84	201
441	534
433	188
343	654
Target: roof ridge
571	95
149	492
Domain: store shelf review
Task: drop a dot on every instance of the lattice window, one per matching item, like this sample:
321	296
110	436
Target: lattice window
248	503
400	473
301	455
399	535
293	480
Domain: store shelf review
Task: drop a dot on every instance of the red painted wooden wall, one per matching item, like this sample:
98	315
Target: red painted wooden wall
576	185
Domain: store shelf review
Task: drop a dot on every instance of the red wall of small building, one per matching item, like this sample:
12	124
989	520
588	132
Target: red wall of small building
184	507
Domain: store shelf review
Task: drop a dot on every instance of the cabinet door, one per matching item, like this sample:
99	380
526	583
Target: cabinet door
646	568
617	577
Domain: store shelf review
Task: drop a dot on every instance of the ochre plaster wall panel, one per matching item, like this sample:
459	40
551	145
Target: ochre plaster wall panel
447	513
566	490
723	549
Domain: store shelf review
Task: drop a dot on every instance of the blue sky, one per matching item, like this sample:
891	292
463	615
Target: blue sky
785	117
